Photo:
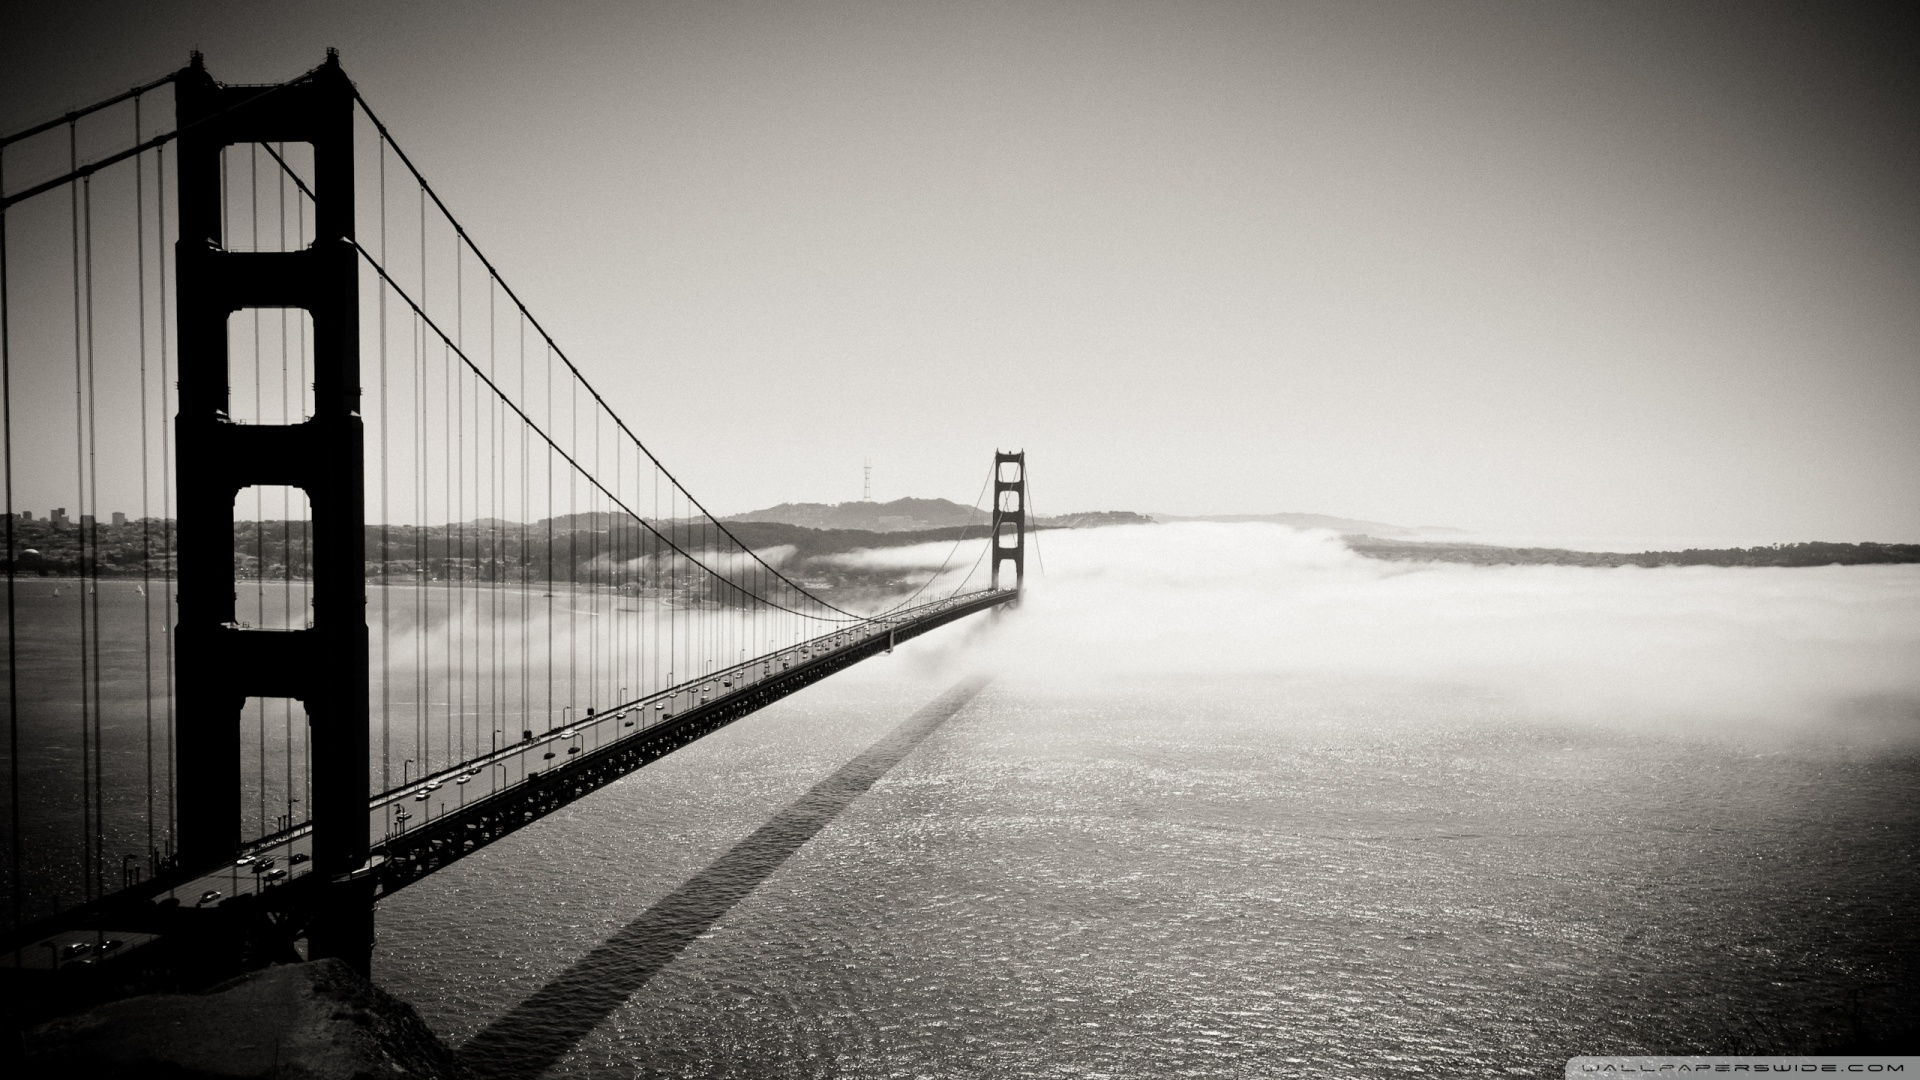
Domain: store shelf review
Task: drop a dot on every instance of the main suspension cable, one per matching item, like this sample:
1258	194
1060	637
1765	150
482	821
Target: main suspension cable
460	230
951	552
452	350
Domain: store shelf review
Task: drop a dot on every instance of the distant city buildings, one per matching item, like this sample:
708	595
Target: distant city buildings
59	518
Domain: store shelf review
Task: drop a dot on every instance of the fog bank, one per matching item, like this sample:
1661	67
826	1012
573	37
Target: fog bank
1767	647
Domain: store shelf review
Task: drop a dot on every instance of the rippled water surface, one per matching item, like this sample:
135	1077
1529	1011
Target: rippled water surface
1209	877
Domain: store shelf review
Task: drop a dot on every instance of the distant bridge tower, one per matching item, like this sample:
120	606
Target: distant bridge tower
322	658
1010	516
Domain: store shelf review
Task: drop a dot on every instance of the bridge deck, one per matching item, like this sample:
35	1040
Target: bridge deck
429	822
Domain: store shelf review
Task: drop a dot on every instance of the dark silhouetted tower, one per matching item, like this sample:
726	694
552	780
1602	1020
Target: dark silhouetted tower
1010	515
219	664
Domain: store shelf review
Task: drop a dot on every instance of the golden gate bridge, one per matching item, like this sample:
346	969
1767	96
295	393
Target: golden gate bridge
398	581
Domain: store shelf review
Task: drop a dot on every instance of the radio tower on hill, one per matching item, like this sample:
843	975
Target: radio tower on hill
866	485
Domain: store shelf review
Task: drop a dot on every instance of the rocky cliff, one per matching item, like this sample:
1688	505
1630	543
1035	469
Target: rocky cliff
314	1021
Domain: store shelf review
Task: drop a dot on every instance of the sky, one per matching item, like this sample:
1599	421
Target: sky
1621	269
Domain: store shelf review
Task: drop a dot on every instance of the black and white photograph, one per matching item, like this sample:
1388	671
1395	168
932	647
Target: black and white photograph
925	539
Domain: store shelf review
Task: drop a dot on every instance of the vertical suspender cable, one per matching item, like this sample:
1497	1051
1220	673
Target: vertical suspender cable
422	591
573	542
526	559
422	652
490	634
457	475
620	535
259	493
497	501
593	579
13	658
386	518
79	457
90	595
306	547
653	563
488	558
286	512
446	503
1026	508
146	511
166	471
550	577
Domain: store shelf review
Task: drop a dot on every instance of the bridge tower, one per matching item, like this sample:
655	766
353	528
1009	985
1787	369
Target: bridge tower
1010	516
323	663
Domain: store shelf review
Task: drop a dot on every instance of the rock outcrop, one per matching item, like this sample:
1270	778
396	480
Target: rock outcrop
313	1021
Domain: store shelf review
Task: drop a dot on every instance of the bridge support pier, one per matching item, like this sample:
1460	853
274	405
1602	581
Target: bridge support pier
320	659
1009	516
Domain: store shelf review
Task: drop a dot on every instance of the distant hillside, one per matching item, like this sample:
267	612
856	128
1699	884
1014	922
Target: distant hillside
810	543
914	515
900	515
1093	519
1816	553
1323	521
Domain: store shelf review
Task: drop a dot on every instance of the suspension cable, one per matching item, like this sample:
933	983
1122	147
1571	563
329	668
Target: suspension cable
76	114
452	343
461	231
951	552
77	171
575	464
1033	516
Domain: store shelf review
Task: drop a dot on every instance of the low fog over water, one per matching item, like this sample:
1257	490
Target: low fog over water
1240	801
1745	648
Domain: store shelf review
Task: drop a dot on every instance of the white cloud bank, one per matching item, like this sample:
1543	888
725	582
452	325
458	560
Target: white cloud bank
1668	644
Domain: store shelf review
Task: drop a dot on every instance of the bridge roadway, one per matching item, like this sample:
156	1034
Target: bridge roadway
433	820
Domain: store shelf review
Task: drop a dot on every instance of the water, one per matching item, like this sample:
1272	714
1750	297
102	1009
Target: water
1162	877
1238	803
457	671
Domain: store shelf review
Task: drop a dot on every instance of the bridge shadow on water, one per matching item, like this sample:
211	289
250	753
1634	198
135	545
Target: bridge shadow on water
541	1030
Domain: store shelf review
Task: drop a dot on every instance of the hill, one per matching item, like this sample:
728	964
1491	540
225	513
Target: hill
913	515
1325	521
1815	553
900	515
1092	519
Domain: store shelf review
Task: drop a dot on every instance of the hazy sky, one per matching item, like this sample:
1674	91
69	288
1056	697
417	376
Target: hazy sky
1622	268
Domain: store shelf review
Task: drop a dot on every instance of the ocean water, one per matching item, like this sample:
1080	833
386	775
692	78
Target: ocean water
1255	875
1234	802
1240	803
